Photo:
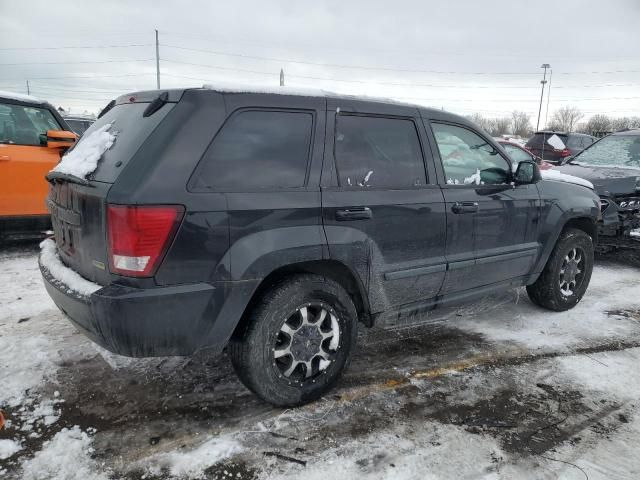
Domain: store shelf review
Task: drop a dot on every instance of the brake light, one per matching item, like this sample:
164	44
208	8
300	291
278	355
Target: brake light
138	236
565	152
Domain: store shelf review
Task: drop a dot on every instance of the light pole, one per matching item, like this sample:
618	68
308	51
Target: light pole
543	81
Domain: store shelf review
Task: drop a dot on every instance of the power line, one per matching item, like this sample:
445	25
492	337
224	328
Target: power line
77	47
78	63
362	67
85	76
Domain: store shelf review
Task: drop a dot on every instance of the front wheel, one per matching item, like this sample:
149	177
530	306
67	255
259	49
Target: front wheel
566	275
298	341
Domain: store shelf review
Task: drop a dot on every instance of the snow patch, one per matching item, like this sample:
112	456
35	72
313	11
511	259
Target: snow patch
192	464
30	371
69	278
83	158
552	174
475	178
556	142
67	455
635	232
19	96
8	448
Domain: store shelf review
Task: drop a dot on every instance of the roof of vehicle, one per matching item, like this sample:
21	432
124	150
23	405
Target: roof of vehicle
4	95
88	118
631	131
175	94
563	133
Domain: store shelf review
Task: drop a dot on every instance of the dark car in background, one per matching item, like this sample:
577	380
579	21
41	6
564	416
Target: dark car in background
78	124
554	147
273	224
612	164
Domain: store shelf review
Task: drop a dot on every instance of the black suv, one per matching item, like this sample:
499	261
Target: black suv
554	147
273	223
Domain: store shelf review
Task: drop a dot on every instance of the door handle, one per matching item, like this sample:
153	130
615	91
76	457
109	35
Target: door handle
4	158
354	213
464	207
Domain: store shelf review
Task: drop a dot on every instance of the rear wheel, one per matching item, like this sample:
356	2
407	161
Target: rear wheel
566	275
298	341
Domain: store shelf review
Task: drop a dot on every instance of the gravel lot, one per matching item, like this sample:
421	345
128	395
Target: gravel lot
496	389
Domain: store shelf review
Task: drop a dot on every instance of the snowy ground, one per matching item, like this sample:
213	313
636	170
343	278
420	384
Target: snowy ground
498	390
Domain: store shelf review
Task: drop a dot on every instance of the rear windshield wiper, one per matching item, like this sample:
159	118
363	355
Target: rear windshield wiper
52	177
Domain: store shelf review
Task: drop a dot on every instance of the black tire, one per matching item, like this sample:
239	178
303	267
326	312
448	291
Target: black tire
548	290
252	355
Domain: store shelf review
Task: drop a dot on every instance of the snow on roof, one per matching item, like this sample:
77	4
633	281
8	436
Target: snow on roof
298	91
83	158
19	96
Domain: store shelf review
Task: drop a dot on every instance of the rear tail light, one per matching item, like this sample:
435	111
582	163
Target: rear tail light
138	237
564	152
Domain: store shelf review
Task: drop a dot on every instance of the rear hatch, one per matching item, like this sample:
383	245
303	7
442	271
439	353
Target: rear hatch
78	205
548	145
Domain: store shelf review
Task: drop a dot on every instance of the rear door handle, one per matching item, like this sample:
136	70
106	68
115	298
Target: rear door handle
354	213
4	158
464	207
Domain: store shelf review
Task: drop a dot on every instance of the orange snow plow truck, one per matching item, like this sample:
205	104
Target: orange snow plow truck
33	136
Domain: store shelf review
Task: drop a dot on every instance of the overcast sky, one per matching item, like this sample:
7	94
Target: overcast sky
465	56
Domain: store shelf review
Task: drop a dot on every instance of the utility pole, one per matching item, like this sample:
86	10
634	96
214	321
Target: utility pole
157	62
28	89
543	81
281	77
546	114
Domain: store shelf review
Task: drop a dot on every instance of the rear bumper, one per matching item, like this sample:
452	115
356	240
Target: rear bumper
164	321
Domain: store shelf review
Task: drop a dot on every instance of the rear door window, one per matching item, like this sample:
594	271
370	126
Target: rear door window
378	152
258	149
23	125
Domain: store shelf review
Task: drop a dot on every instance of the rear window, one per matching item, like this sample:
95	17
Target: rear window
131	130
576	142
258	149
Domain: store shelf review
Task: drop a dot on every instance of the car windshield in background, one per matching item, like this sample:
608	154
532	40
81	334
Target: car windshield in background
78	126
22	125
515	153
615	150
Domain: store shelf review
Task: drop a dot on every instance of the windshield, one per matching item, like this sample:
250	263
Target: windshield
615	150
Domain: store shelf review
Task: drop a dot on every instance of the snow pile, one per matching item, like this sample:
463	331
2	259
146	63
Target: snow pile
8	448
552	174
83	158
635	233
19	96
69	278
192	464
67	455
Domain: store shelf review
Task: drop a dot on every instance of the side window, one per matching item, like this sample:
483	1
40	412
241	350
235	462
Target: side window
467	158
378	152
258	149
22	125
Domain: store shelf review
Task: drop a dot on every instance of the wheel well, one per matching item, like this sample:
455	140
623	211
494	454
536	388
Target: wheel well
586	224
332	269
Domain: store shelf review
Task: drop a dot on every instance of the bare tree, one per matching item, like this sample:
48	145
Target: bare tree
566	119
480	121
520	123
499	126
598	124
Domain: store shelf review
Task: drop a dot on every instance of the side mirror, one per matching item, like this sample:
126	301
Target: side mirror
527	173
59	139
